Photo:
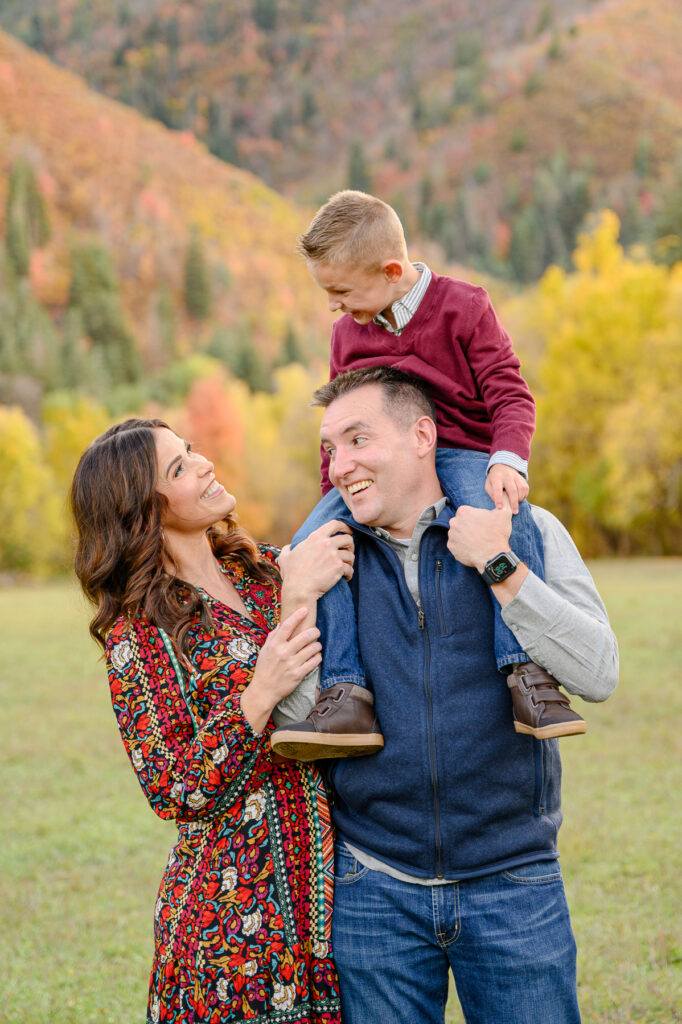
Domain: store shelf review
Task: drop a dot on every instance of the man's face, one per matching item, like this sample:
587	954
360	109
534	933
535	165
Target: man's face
378	465
359	292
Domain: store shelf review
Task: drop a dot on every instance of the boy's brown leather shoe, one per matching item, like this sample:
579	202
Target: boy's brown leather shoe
541	709
342	724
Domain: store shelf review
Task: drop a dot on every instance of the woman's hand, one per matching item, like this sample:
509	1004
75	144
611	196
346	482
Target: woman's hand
285	658
313	567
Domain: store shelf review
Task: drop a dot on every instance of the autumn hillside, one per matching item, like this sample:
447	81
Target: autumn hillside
480	122
144	193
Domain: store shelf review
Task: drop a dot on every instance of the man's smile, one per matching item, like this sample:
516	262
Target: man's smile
359	485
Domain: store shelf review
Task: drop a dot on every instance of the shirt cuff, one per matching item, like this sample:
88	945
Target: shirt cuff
509	459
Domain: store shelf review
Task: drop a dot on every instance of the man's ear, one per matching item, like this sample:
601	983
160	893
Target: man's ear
426	436
392	270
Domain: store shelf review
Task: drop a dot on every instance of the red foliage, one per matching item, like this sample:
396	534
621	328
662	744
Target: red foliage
215	429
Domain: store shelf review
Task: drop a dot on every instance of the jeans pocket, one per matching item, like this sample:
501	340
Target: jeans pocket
538	873
347	868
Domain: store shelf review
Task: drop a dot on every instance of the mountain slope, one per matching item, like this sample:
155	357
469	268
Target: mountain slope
446	104
141	189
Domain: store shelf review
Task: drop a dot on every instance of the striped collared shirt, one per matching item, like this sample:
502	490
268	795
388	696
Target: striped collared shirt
404	309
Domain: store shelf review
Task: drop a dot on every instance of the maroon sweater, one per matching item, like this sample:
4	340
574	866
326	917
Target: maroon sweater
457	344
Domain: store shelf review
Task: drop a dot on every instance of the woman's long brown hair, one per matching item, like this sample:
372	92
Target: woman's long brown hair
120	556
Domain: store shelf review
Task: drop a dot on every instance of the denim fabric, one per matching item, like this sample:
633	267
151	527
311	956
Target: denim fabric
506	937
462	473
336	621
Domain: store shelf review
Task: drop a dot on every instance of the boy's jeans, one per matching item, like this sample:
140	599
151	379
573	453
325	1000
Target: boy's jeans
462	475
506	937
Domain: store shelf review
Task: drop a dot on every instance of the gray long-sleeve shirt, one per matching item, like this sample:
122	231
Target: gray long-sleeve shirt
561	623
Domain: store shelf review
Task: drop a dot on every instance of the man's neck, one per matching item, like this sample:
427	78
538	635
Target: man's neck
404	529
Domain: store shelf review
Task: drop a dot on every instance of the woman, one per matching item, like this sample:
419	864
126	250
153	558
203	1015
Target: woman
187	613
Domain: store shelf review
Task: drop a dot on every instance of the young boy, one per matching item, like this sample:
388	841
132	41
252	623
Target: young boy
445	331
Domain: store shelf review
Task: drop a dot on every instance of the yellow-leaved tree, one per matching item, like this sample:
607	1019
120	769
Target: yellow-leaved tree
608	448
282	452
69	425
27	497
643	442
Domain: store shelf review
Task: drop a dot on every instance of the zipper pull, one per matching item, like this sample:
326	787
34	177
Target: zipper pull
439	565
421	618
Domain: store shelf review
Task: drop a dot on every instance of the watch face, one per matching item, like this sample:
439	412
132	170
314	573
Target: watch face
500	567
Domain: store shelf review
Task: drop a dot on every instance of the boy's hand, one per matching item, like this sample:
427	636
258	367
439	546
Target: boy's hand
503	480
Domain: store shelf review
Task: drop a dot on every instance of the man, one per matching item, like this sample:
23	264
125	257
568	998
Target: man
446	855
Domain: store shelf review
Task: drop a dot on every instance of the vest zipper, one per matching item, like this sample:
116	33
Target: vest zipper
432	752
439	598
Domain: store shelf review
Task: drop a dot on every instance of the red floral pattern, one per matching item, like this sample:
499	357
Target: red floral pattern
242	919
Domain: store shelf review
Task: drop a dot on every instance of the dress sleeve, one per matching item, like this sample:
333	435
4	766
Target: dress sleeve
269	552
188	770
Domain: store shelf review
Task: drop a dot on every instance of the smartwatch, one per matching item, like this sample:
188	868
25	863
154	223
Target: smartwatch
500	567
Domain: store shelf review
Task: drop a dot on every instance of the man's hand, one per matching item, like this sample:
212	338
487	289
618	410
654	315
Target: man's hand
478	534
503	480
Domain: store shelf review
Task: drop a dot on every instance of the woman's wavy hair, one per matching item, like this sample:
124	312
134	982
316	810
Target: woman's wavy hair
121	560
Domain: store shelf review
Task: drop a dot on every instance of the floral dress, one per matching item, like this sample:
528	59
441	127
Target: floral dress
243	915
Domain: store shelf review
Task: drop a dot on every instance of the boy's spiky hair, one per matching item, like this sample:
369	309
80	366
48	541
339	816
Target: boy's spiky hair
354	228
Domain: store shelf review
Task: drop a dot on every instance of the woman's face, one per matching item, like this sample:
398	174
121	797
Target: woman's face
195	498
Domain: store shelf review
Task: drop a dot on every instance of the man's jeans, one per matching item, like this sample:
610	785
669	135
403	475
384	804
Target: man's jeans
507	938
462	474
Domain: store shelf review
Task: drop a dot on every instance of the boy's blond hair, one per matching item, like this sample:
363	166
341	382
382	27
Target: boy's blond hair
354	228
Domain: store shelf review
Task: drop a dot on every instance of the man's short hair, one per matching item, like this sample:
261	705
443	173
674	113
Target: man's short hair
405	395
354	228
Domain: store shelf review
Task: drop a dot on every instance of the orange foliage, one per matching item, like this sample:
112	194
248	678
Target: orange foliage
50	277
214	427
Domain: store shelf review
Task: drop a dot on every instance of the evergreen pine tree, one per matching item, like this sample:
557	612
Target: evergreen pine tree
669	223
358	172
166	314
290	351
197	283
265	14
94	291
26	216
249	367
73	366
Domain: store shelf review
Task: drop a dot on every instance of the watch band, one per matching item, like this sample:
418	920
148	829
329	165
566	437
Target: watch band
500	567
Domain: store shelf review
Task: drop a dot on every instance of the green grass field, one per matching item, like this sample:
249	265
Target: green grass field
81	853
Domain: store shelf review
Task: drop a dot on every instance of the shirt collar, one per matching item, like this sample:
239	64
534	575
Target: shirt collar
430	513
